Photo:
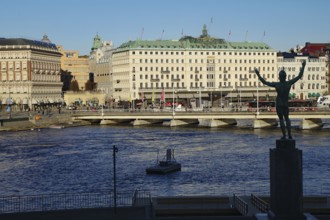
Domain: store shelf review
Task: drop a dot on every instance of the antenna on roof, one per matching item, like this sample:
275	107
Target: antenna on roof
161	37
246	35
229	34
142	33
211	22
263	36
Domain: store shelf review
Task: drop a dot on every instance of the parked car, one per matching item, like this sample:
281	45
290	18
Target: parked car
71	107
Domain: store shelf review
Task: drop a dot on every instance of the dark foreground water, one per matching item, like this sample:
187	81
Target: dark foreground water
214	161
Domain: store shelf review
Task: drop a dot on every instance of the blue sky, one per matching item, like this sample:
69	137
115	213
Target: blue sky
74	23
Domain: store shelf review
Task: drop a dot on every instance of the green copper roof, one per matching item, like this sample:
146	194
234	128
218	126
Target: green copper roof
97	42
204	42
194	45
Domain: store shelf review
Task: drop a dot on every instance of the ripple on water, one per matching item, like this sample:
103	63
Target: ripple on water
214	161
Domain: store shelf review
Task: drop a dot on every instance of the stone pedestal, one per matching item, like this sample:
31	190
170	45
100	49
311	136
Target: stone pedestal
286	182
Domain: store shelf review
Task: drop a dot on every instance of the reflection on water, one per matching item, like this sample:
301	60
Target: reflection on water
214	161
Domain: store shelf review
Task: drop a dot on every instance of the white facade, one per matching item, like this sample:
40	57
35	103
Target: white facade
100	62
30	72
226	72
313	82
146	67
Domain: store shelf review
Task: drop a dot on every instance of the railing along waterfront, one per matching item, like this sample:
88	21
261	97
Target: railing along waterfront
64	201
204	109
259	203
240	205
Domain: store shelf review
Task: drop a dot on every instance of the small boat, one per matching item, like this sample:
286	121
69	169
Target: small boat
165	166
56	126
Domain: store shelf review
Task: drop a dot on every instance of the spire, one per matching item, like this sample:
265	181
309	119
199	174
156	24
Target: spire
97	42
204	32
46	39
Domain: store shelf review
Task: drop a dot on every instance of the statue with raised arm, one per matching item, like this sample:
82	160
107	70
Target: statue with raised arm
282	100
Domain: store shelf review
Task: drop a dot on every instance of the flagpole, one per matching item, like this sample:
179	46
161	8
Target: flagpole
142	31
229	34
161	38
246	34
173	99
263	36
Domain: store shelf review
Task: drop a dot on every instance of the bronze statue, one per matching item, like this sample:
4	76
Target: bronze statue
283	88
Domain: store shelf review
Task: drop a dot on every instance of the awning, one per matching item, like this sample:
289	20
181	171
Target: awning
25	101
4	101
18	101
186	96
34	101
249	94
203	95
264	94
51	100
158	96
242	95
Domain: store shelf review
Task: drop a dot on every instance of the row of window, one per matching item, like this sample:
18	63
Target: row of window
204	53
169	85
309	69
222	76
208	69
210	61
10	56
23	66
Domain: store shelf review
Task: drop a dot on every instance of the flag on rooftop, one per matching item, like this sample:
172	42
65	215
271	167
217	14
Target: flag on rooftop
162	98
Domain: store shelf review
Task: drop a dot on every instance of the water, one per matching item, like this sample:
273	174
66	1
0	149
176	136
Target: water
214	161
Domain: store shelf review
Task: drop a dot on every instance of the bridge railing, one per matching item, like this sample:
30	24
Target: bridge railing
63	201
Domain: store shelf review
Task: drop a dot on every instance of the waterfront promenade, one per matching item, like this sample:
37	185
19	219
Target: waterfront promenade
34	120
158	208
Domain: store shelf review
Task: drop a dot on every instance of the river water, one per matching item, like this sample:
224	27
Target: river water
214	161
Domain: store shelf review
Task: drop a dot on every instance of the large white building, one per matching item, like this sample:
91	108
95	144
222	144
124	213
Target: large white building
207	68
30	73
191	68
313	82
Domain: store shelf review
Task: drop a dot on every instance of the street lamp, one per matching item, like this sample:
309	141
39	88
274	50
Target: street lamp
9	102
173	113
114	151
221	97
200	97
257	98
240	97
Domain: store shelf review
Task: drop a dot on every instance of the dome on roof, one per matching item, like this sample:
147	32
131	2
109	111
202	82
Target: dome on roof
46	39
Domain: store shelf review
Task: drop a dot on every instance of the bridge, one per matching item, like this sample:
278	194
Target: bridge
308	119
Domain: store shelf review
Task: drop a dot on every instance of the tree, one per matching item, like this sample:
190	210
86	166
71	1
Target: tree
66	78
74	85
90	86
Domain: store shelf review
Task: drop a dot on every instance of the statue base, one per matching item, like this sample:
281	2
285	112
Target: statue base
286	182
264	216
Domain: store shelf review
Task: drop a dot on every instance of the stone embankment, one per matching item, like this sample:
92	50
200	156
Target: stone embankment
38	121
